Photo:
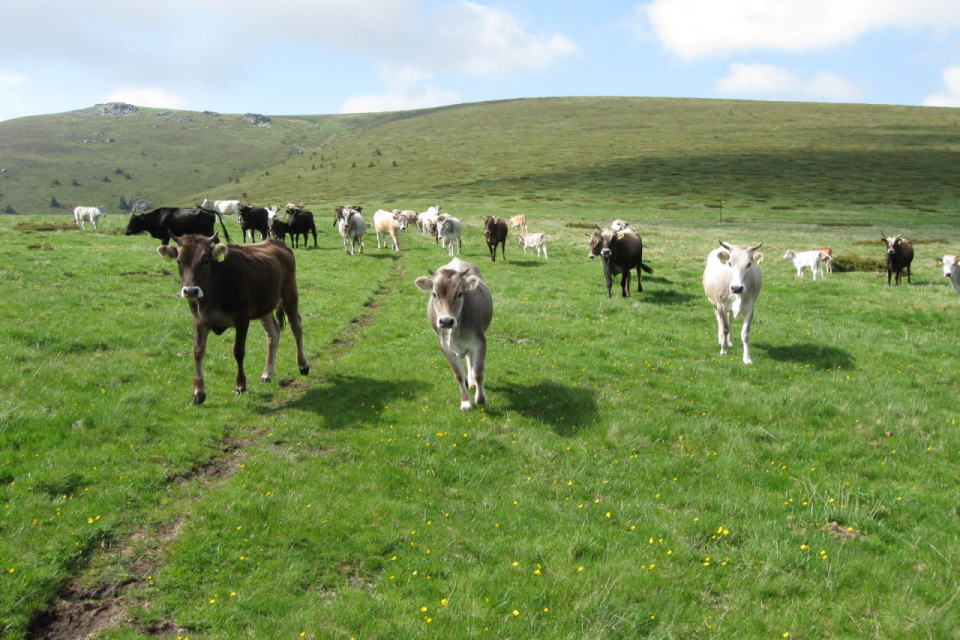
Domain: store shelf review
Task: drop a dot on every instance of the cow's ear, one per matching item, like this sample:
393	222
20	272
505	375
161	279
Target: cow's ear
471	282
724	257
167	252
425	283
220	252
939	262
758	257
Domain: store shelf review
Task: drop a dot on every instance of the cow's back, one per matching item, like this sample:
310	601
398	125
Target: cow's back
253	277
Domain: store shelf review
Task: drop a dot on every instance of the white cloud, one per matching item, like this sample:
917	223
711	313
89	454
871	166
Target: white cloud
156	98
950	97
752	80
407	88
488	42
695	29
10	79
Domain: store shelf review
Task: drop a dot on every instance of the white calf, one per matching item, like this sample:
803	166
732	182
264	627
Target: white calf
732	283
351	226
82	215
812	260
450	230
534	240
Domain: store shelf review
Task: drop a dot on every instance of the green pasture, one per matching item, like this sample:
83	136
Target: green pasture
625	481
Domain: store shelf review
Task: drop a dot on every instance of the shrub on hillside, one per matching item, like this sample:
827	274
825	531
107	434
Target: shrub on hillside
858	263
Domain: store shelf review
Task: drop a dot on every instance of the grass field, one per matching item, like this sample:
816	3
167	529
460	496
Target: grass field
625	481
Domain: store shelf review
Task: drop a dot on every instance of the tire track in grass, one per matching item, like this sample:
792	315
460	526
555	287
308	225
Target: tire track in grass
82	611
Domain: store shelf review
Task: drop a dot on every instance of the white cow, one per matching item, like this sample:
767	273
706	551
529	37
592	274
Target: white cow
622	225
951	269
732	283
82	215
534	240
390	224
273	212
427	220
459	311
812	260
450	229
351	226
224	207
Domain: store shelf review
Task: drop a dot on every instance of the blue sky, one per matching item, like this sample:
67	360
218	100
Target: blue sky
336	56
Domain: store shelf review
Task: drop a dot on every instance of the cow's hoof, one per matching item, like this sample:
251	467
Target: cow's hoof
198	398
465	405
262	379
305	370
239	391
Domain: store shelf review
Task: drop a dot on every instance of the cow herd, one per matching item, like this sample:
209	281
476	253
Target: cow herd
229	285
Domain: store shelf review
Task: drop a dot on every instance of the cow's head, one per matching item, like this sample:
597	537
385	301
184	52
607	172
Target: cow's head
447	288
892	242
137	224
600	243
195	256
789	255
490	224
742	264
949	263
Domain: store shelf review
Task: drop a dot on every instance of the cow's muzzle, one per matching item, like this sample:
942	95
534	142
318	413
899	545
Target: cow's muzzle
191	293
737	288
606	253
446	322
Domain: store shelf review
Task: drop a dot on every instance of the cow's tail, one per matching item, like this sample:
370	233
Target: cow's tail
223	226
646	268
281	317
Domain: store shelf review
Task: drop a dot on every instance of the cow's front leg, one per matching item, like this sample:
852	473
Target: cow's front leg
199	351
723	331
272	328
239	351
475	365
460	376
745	336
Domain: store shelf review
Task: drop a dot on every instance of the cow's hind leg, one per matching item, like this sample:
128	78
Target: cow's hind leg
272	327
290	305
239	352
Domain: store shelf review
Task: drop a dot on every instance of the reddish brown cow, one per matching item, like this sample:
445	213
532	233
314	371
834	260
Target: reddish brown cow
230	285
495	232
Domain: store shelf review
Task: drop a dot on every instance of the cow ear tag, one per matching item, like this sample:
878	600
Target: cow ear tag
220	252
620	236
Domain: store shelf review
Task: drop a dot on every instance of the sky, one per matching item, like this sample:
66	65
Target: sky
312	57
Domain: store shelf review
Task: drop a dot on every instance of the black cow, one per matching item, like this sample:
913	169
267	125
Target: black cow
279	230
495	232
301	223
254	220
620	252
165	222
899	256
230	285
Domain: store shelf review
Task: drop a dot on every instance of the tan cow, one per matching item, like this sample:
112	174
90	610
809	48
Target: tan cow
459	310
519	221
390	224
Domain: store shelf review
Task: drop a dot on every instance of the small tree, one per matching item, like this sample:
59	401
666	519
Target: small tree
54	204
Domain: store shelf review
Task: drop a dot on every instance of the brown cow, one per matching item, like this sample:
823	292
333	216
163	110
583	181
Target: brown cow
230	285
495	232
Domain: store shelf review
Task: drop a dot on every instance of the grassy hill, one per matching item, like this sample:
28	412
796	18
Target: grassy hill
664	157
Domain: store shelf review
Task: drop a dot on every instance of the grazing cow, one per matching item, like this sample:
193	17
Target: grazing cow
899	256
254	220
279	230
732	283
448	231
351	226
495	232
230	285
223	207
622	225
951	269
390	224
533	241
459	310
620	253
301	223
812	260
519	222
165	222
82	215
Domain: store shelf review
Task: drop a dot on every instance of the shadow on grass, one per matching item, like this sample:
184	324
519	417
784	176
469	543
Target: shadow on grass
351	401
666	296
813	354
527	263
565	409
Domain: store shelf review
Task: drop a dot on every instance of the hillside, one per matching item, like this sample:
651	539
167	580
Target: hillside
667	157
98	156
